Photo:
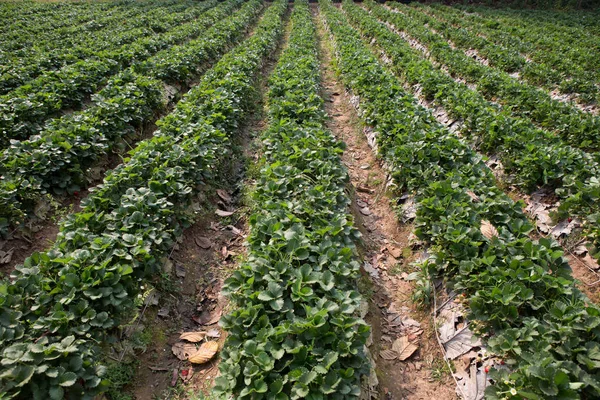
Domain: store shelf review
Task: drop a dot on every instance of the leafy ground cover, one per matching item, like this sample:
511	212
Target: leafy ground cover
60	303
553	59
519	290
177	81
535	158
56	160
295	332
24	111
578	128
119	28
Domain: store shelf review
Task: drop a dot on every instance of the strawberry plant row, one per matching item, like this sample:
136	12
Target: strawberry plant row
571	65
24	111
532	156
570	26
58	159
60	304
520	292
295	332
53	17
31	39
576	127
510	60
22	68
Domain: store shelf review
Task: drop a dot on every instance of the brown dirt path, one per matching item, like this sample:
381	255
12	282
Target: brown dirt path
392	314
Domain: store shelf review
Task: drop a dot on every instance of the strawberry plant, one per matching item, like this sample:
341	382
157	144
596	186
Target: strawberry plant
519	290
56	161
25	66
295	332
534	158
24	111
578	128
61	303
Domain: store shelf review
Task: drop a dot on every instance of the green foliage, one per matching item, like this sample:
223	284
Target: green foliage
37	49
533	157
296	333
24	110
60	303
118	375
57	160
520	291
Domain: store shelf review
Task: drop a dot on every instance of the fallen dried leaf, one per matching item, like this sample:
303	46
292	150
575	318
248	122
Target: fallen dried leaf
580	250
364	189
207	318
388	354
163	312
213	333
203	242
157	369
461	343
193	336
411	322
205	353
365	211
6	256
488	230
222	213
224	195
224	251
395	251
183	350
180	271
473	196
233	229
174	378
590	262
404	348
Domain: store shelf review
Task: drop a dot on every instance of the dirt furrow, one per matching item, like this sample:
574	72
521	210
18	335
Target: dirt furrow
190	293
388	254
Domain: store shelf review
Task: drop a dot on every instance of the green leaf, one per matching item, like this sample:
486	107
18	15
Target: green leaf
67	379
57	393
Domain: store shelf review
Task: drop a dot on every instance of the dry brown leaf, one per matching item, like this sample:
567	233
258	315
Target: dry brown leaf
395	251
213	333
6	256
193	336
590	262
208	318
222	213
364	189
205	353
473	196
488	230
388	354
183	350
404	348
204	242
224	195
365	211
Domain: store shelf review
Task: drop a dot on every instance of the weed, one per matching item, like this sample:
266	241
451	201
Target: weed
118	375
439	370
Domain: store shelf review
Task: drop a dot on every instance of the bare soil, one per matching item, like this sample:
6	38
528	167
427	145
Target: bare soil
386	248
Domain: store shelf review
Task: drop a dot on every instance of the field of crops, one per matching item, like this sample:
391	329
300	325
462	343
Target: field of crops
278	200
